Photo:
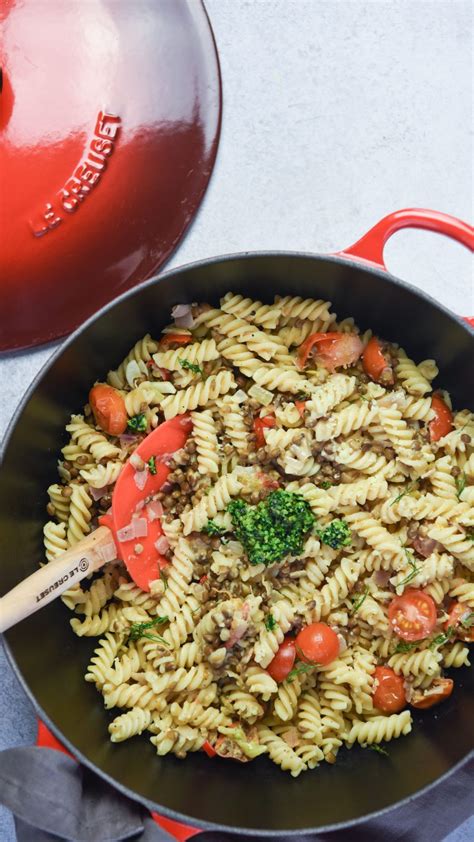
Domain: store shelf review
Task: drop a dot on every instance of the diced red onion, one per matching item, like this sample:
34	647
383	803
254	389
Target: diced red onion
162	545
425	546
167	486
137	462
126	533
108	552
165	458
140	478
127	438
381	578
237	633
140	526
98	493
154	509
182	315
292	737
140	505
341	639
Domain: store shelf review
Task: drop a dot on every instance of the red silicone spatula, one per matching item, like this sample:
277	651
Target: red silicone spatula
109	541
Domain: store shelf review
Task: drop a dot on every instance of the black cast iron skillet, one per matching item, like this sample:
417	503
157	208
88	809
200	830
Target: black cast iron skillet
50	661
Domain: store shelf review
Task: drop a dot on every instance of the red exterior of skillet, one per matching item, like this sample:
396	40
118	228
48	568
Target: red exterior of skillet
254	797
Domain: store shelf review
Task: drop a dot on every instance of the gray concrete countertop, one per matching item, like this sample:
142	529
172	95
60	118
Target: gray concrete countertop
336	112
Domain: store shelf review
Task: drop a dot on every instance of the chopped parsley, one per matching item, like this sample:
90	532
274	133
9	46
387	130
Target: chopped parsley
468	621
137	423
299	669
152	464
378	749
194	367
326	484
213	528
460	484
443	638
406	647
274	528
270	622
360	600
470	535
336	534
138	630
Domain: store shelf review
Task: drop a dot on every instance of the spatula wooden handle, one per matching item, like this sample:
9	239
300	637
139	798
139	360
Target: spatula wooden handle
54	578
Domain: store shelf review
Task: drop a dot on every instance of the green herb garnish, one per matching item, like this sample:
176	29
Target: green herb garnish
378	749
358	602
270	622
468	621
299	669
138	630
213	528
460	484
470	535
274	528
414	571
137	423
152	464
406	647
336	534
194	367
164	579
408	490
326	484
443	638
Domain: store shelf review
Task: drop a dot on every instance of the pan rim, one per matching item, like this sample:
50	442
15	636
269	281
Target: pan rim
62	347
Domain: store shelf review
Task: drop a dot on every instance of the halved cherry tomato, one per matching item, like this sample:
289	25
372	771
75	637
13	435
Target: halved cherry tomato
332	349
442	423
389	694
317	644
259	425
210	750
300	406
109	409
283	661
440	690
457	613
176	339
412	615
375	364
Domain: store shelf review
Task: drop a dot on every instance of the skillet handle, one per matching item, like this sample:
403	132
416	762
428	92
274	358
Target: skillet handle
370	248
51	580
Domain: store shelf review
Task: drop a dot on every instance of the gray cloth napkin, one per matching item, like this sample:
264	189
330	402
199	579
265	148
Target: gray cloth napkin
53	799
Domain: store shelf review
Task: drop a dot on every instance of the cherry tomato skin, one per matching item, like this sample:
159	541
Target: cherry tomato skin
441	690
109	409
283	661
457	613
209	749
332	349
412	615
374	362
259	425
175	339
442	423
389	694
300	406
317	644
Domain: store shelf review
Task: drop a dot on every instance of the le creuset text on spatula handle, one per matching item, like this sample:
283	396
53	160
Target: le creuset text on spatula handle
57	576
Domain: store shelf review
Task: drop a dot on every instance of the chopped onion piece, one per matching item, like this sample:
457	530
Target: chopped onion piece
140	478
127	438
140	526
98	493
137	461
140	505
154	509
239	396
162	545
261	395
126	533
180	310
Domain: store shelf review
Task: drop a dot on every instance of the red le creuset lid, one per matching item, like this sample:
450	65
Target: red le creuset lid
109	125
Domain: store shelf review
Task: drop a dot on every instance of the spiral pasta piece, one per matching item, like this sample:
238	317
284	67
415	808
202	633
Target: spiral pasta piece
380	728
351	418
217	500
198	394
205	437
140	354
90	439
266	315
55	542
79	514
